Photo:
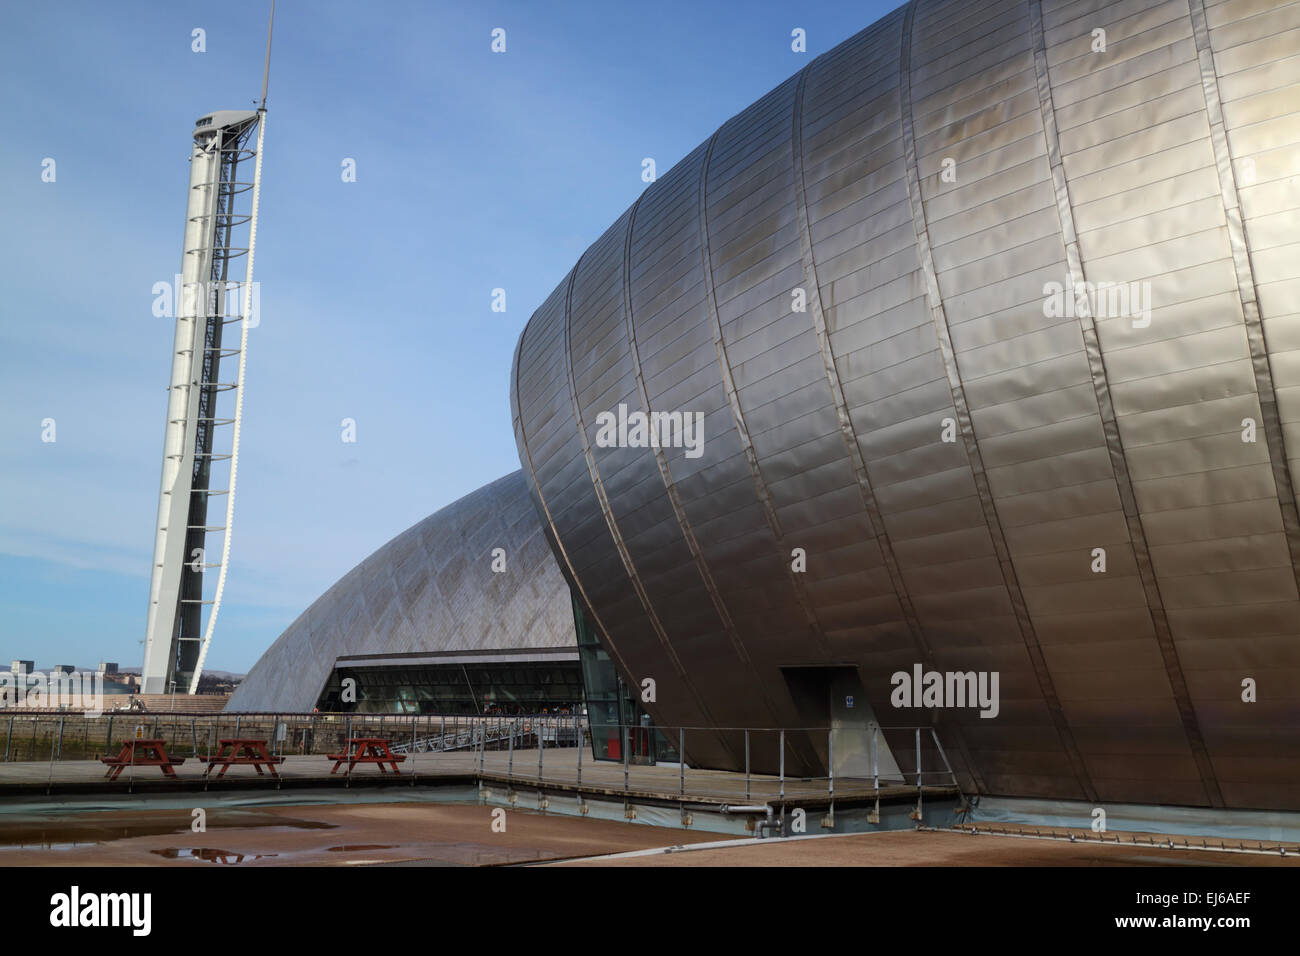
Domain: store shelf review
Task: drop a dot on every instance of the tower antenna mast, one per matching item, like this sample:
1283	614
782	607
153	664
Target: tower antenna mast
266	69
243	361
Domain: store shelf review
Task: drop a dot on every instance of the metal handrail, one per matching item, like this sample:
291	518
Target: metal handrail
27	733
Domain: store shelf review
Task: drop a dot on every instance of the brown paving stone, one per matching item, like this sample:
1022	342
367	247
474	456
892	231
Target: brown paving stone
921	848
321	836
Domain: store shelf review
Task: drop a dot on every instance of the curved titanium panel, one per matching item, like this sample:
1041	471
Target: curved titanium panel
431	588
983	476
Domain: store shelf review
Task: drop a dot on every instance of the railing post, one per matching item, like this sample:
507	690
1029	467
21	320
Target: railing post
918	761
580	749
49	781
623	730
510	761
875	759
10	736
61	719
681	761
938	746
108	736
781	744
830	763
746	763
541	746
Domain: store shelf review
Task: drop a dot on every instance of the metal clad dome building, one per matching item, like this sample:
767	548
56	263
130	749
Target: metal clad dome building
429	598
953	444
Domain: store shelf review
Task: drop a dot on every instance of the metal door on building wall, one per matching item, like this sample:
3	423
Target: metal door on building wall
833	697
853	730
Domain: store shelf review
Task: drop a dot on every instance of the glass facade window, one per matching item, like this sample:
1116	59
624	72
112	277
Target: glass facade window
592	682
517	687
612	707
605	692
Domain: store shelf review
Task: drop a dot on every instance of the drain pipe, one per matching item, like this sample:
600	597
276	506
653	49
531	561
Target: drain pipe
761	827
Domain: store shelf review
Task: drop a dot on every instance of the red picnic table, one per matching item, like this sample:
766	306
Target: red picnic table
138	752
242	750
367	750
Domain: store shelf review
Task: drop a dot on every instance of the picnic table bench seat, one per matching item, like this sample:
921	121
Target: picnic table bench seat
244	751
366	750
141	752
119	761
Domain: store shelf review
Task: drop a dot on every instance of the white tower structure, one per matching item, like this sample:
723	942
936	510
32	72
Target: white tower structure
201	438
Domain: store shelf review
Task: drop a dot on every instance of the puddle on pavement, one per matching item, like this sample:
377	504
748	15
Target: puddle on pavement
62	831
210	855
354	847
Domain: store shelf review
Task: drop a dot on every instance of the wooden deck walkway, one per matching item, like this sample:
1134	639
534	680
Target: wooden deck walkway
559	775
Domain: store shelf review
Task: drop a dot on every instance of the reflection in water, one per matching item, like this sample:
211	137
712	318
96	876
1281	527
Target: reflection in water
49	831
352	847
209	854
42	843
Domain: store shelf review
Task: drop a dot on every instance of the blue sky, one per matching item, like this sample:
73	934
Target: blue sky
474	171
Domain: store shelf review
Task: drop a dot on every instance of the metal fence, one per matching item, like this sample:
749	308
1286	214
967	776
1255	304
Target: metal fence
555	751
854	761
73	736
